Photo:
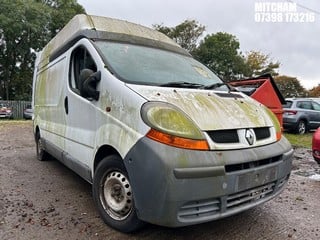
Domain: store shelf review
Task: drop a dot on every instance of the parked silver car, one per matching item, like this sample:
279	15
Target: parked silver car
301	115
28	112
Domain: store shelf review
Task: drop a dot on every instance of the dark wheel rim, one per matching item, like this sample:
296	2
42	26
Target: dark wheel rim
116	195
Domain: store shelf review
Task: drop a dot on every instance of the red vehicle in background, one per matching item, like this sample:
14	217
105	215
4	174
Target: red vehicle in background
316	146
5	111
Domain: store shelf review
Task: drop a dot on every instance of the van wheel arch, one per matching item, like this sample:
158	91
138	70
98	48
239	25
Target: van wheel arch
42	155
103	152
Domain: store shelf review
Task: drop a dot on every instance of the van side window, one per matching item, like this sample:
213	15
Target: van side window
80	60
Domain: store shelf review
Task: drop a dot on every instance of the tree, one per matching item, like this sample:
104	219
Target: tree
258	64
61	12
290	87
21	23
315	92
220	52
26	26
186	34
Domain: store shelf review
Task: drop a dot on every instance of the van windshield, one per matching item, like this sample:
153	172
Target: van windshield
150	66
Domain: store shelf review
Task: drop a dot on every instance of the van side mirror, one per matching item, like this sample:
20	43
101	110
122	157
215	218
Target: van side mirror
88	84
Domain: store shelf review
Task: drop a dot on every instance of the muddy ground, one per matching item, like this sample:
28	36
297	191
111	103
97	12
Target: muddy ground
45	200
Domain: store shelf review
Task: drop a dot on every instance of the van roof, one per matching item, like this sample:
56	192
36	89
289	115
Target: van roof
95	28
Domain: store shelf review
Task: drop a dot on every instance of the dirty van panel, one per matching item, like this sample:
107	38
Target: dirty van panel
49	88
81	117
49	101
124	105
238	111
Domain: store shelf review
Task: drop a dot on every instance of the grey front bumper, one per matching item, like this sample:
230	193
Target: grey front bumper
177	187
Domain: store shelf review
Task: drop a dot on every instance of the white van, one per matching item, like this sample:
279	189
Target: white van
161	138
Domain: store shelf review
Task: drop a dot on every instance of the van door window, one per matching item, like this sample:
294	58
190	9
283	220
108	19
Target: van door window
81	61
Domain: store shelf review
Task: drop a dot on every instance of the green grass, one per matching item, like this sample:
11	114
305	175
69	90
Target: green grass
297	140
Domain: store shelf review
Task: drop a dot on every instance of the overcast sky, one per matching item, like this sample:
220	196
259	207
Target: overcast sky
296	45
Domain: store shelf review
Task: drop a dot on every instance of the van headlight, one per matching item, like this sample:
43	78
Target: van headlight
169	125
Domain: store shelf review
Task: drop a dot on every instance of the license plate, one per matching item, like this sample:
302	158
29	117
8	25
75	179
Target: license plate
256	178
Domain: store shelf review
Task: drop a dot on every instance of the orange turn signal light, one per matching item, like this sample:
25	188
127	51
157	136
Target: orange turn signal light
176	141
278	135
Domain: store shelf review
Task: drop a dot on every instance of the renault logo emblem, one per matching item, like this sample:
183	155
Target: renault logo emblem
249	136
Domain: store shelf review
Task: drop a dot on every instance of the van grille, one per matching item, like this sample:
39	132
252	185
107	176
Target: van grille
262	133
254	164
232	135
199	209
214	208
248	196
224	136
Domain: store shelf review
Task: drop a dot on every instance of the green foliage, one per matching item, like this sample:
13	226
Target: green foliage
21	22
25	27
290	87
186	34
61	12
258	64
221	52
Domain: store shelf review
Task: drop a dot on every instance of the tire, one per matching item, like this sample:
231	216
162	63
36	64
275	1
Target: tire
113	196
42	155
301	127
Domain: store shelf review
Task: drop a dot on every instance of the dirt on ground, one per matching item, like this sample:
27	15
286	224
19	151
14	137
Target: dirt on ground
45	200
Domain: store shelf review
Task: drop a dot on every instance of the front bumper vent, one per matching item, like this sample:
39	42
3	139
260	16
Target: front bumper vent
227	205
254	164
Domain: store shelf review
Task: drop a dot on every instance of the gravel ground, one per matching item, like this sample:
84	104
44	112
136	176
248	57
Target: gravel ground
45	200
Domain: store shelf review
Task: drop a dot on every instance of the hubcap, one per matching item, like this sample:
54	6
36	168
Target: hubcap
116	195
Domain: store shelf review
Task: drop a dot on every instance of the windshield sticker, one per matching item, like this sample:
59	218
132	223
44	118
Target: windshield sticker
201	71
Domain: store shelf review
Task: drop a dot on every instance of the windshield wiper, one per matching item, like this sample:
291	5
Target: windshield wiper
215	85
182	84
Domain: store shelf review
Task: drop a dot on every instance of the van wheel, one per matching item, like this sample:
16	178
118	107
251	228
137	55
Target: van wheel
41	153
113	196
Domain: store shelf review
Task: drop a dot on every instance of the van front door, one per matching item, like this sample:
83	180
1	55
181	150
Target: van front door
81	114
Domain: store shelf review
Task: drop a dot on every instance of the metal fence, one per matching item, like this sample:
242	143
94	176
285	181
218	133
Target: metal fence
17	107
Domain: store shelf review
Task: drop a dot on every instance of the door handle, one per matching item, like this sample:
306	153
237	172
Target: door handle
66	105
